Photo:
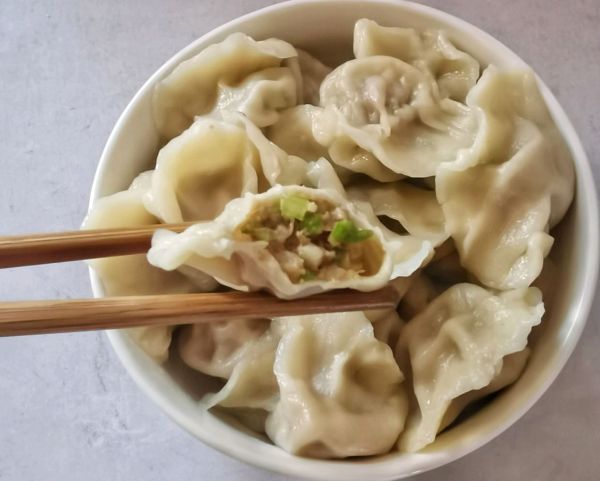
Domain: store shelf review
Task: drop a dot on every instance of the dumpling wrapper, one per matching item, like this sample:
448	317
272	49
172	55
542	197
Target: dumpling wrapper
514	184
215	348
260	96
212	162
251	384
454	71
341	392
513	366
196	85
385	119
133	275
201	170
457	345
293	132
247	265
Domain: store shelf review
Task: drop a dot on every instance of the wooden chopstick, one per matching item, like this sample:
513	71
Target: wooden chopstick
45	317
28	250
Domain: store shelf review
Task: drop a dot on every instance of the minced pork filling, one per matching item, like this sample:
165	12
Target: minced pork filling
312	239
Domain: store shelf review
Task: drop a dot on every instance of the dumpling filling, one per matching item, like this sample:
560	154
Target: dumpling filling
312	239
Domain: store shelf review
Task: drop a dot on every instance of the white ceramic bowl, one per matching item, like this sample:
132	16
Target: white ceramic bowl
325	28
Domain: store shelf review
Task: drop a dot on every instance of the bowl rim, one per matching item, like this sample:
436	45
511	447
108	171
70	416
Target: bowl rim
349	470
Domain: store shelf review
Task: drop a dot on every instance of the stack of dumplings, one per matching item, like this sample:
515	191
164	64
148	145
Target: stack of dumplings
410	164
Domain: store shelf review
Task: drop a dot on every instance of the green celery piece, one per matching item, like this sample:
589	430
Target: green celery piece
308	276
293	207
346	232
312	223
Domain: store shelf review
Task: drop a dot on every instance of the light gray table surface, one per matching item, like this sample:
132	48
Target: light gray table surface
68	410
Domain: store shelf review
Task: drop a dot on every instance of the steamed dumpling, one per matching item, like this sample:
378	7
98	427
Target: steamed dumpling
133	275
200	171
324	384
294	241
512	367
454	71
260	96
215	348
341	392
251	383
278	167
198	84
511	187
457	345
130	275
293	132
213	162
381	110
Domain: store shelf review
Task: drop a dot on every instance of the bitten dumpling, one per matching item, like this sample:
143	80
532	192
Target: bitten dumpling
294	241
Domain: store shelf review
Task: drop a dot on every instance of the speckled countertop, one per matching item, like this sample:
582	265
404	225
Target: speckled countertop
68	410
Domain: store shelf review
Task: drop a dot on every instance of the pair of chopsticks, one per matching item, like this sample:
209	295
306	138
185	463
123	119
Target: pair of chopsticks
52	316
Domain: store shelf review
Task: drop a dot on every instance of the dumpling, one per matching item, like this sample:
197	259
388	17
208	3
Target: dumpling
260	96
341	392
213	162
383	109
294	241
454	71
215	348
193	87
200	171
251	383
514	184
512	368
130	275
457	345
277	166
133	275
293	132
321	174
345	152
417	210
153	340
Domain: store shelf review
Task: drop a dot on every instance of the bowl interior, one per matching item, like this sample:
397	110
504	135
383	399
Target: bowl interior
325	29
